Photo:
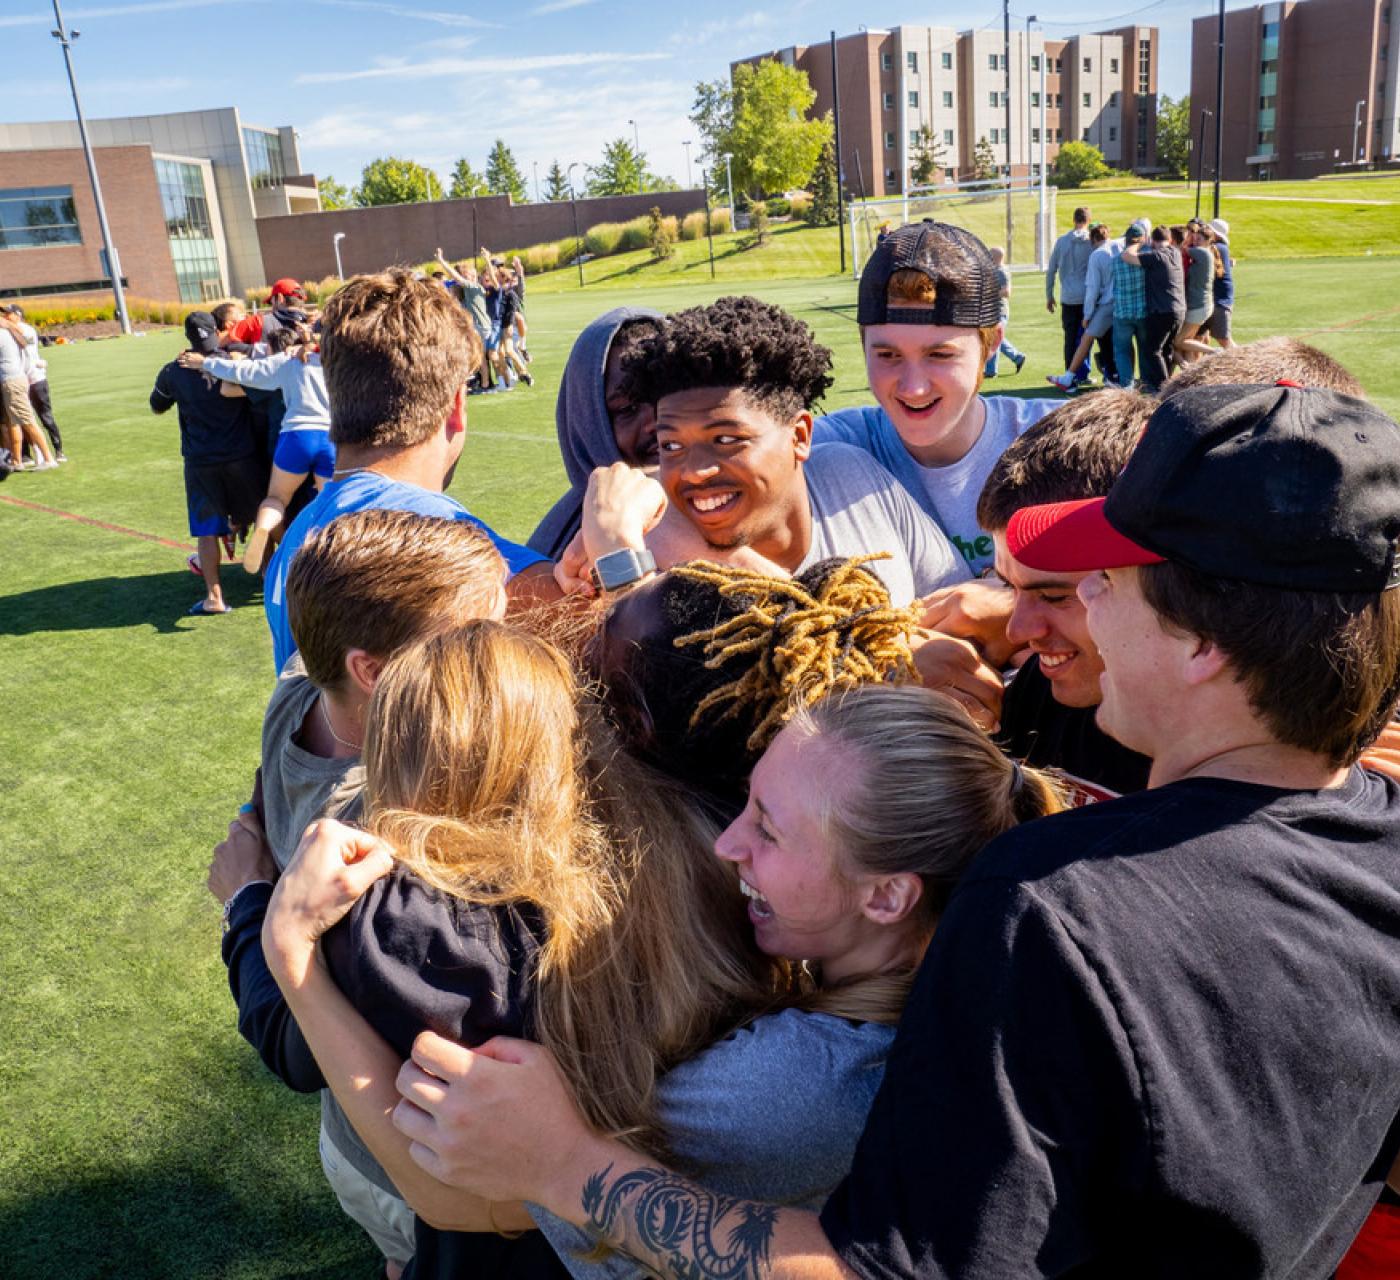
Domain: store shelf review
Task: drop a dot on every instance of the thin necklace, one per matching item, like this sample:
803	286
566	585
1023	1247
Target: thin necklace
326	716
349	471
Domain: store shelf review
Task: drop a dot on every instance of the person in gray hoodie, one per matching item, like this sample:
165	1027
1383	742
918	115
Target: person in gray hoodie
597	423
1070	261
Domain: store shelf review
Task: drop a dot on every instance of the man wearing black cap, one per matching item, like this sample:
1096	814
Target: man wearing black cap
223	479
1155	1037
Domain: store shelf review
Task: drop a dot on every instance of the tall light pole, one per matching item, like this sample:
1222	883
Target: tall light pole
689	181
114	266
637	152
1356	128
1006	103
1201	156
427	184
729	174
536	163
335	241
578	239
1029	20
1219	103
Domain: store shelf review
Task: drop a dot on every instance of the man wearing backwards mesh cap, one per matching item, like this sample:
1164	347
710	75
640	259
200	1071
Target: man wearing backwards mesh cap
1158	1036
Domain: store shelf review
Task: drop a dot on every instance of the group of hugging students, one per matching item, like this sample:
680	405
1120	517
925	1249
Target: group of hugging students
950	838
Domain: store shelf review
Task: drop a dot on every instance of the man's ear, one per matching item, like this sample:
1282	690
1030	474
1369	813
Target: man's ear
802	435
457	415
1205	662
890	899
364	669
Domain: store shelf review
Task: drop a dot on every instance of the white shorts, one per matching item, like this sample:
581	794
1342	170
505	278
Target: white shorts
387	1220
1199	315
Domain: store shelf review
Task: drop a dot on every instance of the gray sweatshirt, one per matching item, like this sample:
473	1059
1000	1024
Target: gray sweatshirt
1070	258
303	386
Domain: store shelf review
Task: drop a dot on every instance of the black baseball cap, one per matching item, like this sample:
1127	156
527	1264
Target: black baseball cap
1281	486
966	290
202	333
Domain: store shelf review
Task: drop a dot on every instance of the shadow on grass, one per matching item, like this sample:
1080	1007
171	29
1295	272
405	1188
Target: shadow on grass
160	600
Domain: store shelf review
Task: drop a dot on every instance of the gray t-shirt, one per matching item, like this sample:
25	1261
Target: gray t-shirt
1200	278
11	358
474	300
858	508
771	1113
299	787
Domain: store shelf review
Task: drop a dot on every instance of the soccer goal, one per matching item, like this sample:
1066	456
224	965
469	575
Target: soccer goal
1018	215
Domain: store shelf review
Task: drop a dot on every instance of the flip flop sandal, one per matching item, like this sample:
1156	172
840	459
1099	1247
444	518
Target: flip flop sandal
199	611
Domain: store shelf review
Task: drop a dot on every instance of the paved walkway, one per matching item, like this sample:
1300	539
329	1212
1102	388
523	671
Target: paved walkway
1169	195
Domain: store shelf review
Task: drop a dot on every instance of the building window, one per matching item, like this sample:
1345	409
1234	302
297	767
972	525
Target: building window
1056	67
1035	62
1144	66
887	62
1113	98
264	152
911	60
1035	99
947	98
913	139
992	98
1086	135
890	176
947	62
991	62
1113	66
913	99
1035	135
1059	135
1088	65
189	230
889	140
948	137
31	217
1059	101
889	102
1113	133
1088	99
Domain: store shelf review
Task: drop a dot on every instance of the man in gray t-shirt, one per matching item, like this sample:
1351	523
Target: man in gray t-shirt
733	384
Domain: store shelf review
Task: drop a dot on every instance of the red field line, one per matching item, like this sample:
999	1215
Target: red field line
96	524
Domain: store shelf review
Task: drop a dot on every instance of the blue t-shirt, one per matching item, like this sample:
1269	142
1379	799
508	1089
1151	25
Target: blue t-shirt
949	494
364	491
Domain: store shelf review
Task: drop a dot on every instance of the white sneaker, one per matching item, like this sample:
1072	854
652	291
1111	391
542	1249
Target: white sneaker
1065	381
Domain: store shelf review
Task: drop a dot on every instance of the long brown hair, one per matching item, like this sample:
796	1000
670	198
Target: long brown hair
497	780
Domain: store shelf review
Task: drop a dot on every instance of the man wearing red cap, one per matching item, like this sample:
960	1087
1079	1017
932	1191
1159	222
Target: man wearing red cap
285	295
1154	1037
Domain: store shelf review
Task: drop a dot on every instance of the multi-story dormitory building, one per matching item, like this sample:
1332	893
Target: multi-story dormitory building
1099	88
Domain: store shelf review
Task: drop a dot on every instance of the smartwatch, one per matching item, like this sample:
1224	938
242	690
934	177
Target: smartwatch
618	569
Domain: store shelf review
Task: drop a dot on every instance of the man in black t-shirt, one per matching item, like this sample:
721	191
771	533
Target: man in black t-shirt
223	480
1047	715
1154	1037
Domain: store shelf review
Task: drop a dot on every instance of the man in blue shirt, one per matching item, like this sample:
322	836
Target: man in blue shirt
397	353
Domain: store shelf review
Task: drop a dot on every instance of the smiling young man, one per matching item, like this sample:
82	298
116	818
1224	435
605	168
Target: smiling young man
930	314
1048	713
1158	1036
733	385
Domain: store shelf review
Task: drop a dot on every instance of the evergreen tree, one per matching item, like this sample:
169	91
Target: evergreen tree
825	208
557	184
928	158
984	161
503	176
466	182
620	172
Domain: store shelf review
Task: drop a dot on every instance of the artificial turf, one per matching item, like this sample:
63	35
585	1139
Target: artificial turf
139	1136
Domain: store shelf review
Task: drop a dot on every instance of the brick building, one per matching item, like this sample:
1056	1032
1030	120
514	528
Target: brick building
897	83
1309	87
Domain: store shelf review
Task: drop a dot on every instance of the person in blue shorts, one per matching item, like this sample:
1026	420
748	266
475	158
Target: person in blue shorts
396	354
223	477
304	445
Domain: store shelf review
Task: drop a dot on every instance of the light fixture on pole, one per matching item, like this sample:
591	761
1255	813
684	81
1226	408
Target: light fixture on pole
689	181
636	139
1356	128
578	239
335	241
114	266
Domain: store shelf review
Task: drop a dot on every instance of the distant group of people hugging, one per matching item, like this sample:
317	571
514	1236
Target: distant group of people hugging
953	837
29	436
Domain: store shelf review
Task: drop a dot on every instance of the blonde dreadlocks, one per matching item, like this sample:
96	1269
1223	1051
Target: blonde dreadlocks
837	632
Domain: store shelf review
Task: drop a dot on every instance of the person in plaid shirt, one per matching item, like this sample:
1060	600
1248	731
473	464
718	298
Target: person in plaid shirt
1129	309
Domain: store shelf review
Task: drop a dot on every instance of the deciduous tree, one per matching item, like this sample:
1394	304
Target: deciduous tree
391	180
1078	163
1174	136
333	194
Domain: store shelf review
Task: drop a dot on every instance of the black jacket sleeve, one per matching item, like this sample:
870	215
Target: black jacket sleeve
162	397
264	1020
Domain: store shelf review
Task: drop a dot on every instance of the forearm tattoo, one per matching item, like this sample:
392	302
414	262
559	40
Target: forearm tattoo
679	1229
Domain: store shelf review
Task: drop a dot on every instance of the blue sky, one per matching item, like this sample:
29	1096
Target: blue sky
441	79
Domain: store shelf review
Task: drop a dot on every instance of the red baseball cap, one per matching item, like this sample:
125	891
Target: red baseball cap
1072	537
287	288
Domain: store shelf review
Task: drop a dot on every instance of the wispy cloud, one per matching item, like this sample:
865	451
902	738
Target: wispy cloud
106	11
441	16
559	6
437	67
117	85
754	20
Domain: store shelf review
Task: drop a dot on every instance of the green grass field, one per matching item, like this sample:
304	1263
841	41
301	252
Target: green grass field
139	1136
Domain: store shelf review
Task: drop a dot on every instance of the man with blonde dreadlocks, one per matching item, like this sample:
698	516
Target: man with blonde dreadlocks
734	384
